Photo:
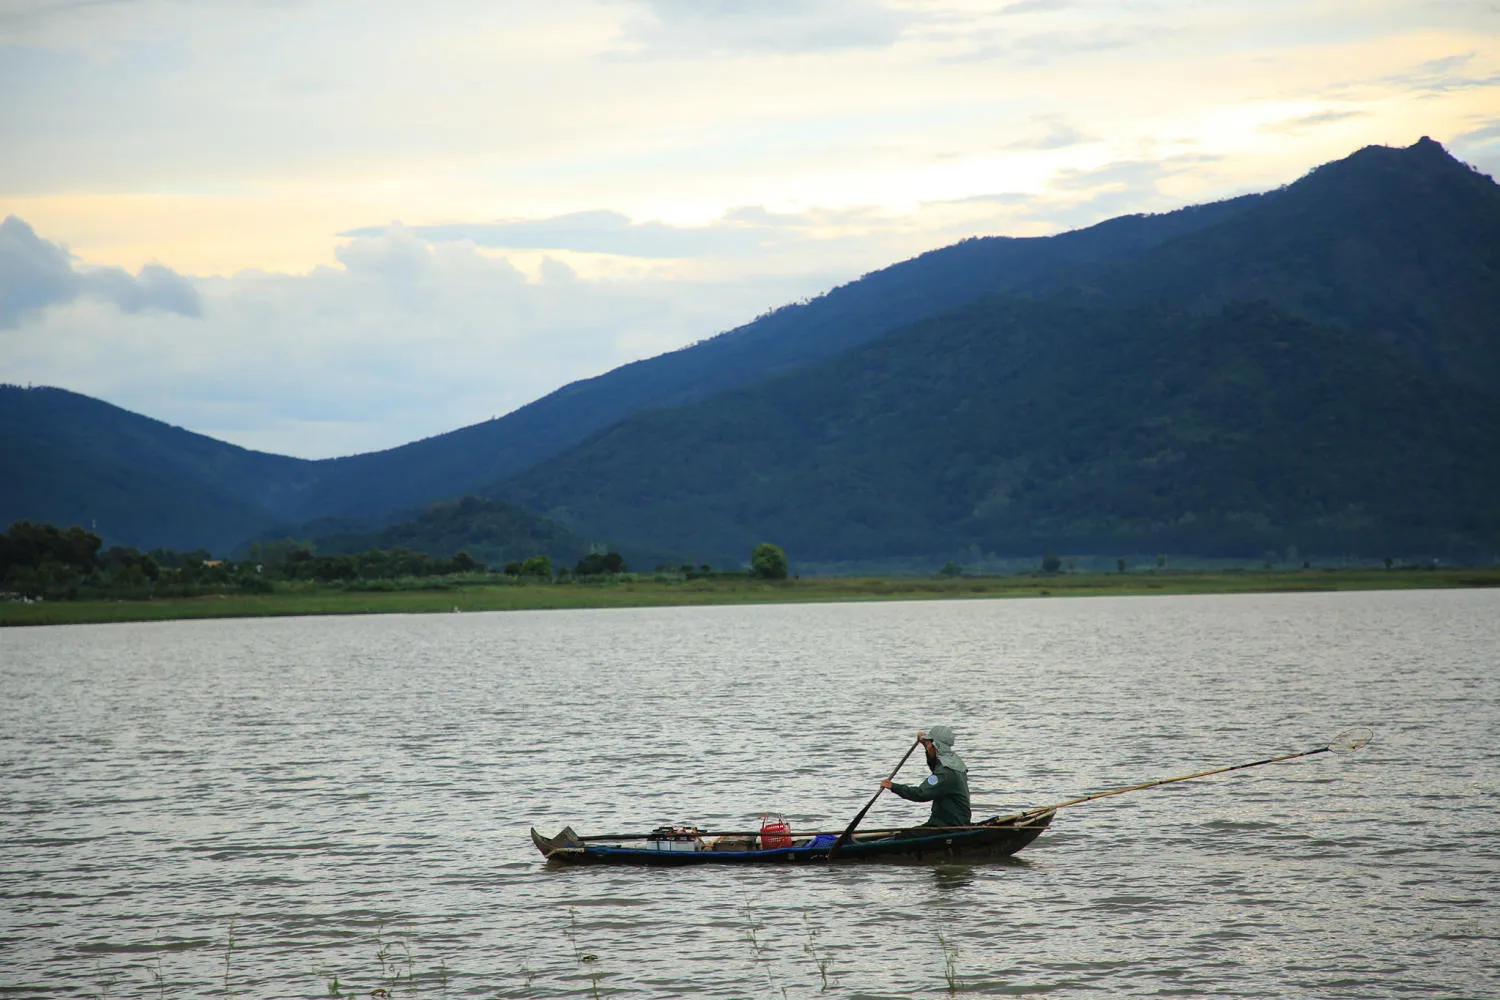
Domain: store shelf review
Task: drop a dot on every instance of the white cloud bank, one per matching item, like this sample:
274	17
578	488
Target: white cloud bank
401	340
36	273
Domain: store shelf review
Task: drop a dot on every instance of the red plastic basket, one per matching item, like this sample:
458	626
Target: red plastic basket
775	832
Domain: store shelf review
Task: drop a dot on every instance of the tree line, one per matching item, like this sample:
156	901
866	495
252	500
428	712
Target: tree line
44	561
47	562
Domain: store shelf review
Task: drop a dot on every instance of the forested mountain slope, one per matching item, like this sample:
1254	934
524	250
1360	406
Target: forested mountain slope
70	459
494	533
1019	427
1401	246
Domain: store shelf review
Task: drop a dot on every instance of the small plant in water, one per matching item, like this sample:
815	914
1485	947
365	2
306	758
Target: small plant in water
382	950
822	960
752	926
587	959
154	971
332	979
390	962
950	962
228	950
108	984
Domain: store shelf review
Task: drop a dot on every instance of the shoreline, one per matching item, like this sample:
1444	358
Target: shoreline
645	593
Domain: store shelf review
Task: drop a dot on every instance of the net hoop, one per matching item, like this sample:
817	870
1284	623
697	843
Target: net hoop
1351	740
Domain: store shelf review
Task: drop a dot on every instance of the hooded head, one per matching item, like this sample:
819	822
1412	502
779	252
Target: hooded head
942	739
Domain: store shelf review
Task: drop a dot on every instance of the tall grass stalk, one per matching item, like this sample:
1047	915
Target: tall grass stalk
950	963
751	925
586	959
822	960
154	971
228	950
109	983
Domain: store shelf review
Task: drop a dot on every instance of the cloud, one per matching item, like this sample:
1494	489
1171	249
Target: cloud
1138	174
595	232
1300	125
1056	133
1046	47
36	274
1119	188
1036	6
1442	76
1489	132
1007	198
1480	146
401	340
33	272
699	27
740	232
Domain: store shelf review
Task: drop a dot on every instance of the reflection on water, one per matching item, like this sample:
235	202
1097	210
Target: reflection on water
949	877
353	796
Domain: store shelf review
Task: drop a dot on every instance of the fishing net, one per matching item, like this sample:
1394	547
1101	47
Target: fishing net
1351	740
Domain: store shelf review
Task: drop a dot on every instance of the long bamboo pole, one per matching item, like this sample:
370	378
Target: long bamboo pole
1160	781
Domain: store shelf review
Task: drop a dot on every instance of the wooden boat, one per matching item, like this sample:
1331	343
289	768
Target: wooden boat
990	840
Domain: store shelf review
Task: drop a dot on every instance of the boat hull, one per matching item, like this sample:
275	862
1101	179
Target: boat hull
984	842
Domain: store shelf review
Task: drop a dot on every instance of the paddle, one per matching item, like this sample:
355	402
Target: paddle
833	851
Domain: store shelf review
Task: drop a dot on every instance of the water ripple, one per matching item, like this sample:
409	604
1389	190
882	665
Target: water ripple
263	806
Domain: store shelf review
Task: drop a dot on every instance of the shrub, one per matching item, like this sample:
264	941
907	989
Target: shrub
768	562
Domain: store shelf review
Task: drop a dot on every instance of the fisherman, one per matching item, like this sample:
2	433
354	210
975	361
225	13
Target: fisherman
947	787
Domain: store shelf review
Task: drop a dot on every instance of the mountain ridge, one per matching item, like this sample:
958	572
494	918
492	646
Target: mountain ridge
1401	244
1034	428
1360	245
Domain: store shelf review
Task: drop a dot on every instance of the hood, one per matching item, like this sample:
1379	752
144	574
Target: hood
942	737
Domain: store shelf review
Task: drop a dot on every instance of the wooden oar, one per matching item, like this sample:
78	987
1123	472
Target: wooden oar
833	851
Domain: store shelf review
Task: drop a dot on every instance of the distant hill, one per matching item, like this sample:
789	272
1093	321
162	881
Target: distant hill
69	459
1021	427
494	533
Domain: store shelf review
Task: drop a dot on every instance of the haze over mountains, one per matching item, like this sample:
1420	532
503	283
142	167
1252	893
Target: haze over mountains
1316	366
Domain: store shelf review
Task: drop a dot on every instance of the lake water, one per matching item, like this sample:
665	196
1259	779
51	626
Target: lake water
252	808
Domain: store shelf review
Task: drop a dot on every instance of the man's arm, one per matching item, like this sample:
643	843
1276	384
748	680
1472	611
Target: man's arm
924	791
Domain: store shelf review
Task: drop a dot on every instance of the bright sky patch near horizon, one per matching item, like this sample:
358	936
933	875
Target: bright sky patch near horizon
320	228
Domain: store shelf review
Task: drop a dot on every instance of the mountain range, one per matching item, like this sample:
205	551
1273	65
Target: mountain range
1316	366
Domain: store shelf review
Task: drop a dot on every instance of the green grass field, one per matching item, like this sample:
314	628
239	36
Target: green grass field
308	600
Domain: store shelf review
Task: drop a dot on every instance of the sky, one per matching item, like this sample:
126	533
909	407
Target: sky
323	228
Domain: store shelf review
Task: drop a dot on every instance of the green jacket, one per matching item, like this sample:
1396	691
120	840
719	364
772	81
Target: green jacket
947	790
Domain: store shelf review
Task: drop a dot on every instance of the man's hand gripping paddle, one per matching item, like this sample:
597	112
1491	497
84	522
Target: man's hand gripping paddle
833	851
